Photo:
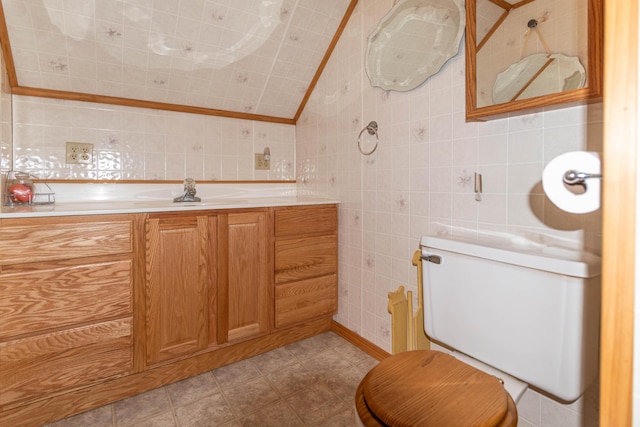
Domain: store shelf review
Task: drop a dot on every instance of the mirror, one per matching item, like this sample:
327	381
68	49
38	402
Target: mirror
413	41
538	74
525	54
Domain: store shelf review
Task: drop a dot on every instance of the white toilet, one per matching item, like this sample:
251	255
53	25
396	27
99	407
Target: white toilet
526	314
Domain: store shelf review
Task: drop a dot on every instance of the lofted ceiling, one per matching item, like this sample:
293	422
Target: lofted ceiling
255	59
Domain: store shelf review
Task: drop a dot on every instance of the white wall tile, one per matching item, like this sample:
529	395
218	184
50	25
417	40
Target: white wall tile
156	144
444	153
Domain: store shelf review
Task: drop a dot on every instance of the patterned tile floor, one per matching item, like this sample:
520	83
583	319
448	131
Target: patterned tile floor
308	383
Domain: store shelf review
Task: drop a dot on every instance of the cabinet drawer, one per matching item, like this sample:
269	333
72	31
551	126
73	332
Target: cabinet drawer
305	300
33	301
294	222
55	241
306	257
35	367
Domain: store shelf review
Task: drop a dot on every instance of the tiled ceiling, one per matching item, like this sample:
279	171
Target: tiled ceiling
256	57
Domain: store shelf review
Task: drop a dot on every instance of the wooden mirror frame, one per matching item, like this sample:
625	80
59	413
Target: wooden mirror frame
592	91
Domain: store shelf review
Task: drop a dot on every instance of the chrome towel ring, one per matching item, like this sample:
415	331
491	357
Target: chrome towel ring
372	129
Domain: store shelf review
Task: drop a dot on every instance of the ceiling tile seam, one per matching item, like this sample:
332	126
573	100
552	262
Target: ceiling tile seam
277	55
40	55
68	59
120	78
188	78
122	23
346	17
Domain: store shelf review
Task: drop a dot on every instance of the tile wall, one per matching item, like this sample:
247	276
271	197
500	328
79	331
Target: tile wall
419	181
245	56
138	143
6	140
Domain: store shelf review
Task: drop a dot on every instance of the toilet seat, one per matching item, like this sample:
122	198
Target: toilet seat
431	388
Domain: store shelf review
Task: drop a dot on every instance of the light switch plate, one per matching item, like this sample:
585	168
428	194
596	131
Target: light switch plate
79	153
261	163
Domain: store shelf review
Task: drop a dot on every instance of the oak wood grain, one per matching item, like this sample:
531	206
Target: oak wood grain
306	263
51	240
306	299
367	418
138	292
362	343
177	287
212	301
432	389
63	405
39	300
620	216
305	257
36	367
246	291
242	240
306	220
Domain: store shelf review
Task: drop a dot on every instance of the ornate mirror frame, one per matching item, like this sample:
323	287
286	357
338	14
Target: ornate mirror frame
592	91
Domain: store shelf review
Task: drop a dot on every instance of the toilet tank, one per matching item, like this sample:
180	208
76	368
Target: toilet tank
531	311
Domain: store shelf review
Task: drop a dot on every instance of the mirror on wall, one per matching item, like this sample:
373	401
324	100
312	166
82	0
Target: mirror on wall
524	54
413	41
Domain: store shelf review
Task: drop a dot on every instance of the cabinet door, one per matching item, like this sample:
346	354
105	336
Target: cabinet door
245	266
178	284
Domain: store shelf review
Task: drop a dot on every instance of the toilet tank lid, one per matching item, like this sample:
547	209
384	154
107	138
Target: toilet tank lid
518	251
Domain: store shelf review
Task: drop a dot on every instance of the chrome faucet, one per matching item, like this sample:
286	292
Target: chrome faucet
189	192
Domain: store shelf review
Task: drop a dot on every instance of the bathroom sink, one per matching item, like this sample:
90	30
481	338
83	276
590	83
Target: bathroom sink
216	202
153	204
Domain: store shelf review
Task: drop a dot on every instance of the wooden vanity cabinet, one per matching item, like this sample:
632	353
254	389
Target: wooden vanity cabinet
208	280
66	301
179	285
101	307
306	263
245	271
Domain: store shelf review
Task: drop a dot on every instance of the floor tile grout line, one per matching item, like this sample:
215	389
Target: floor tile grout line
263	376
172	407
221	389
281	397
266	365
113	415
149	416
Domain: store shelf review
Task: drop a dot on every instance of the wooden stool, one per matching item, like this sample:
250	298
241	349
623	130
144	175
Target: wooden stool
429	388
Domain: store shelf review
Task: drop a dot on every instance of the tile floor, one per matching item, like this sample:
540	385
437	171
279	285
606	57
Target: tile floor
308	383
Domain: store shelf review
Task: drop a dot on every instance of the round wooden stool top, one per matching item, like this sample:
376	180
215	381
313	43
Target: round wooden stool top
431	388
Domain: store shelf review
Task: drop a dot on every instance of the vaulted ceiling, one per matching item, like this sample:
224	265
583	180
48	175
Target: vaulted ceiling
239	58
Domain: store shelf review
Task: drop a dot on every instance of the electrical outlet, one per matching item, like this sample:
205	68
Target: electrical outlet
79	153
261	163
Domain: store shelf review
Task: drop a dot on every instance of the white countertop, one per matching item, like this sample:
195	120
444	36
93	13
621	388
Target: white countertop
114	198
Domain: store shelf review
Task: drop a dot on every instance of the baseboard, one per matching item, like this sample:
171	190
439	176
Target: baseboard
363	344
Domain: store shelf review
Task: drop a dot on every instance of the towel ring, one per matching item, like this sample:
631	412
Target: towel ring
372	128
